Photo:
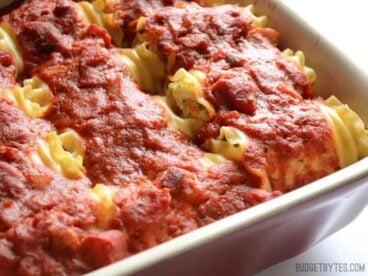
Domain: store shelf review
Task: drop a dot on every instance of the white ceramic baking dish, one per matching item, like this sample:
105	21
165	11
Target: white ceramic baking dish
254	239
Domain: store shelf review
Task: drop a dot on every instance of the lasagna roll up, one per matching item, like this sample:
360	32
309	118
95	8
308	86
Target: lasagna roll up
320	138
250	89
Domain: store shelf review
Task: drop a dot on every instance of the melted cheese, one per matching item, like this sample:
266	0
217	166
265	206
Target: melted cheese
63	153
287	176
104	196
9	44
34	97
100	12
146	67
186	91
299	59
350	135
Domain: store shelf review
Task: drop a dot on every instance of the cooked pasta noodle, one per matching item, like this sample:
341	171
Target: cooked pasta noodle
100	12
146	66
62	153
264	183
8	43
211	159
299	58
259	21
141	36
186	91
350	135
104	195
231	143
34	97
186	126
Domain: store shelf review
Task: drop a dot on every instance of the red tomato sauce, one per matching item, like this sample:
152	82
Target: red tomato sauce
128	13
7	70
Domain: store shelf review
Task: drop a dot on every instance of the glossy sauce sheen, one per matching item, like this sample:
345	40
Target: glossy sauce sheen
48	223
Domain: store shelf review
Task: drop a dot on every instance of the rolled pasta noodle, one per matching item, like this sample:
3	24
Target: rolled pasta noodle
146	67
104	196
185	89
34	97
63	153
231	143
299	58
185	125
101	13
350	135
8	43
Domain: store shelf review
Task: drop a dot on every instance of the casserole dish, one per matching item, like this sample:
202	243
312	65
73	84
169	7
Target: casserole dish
252	240
68	146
